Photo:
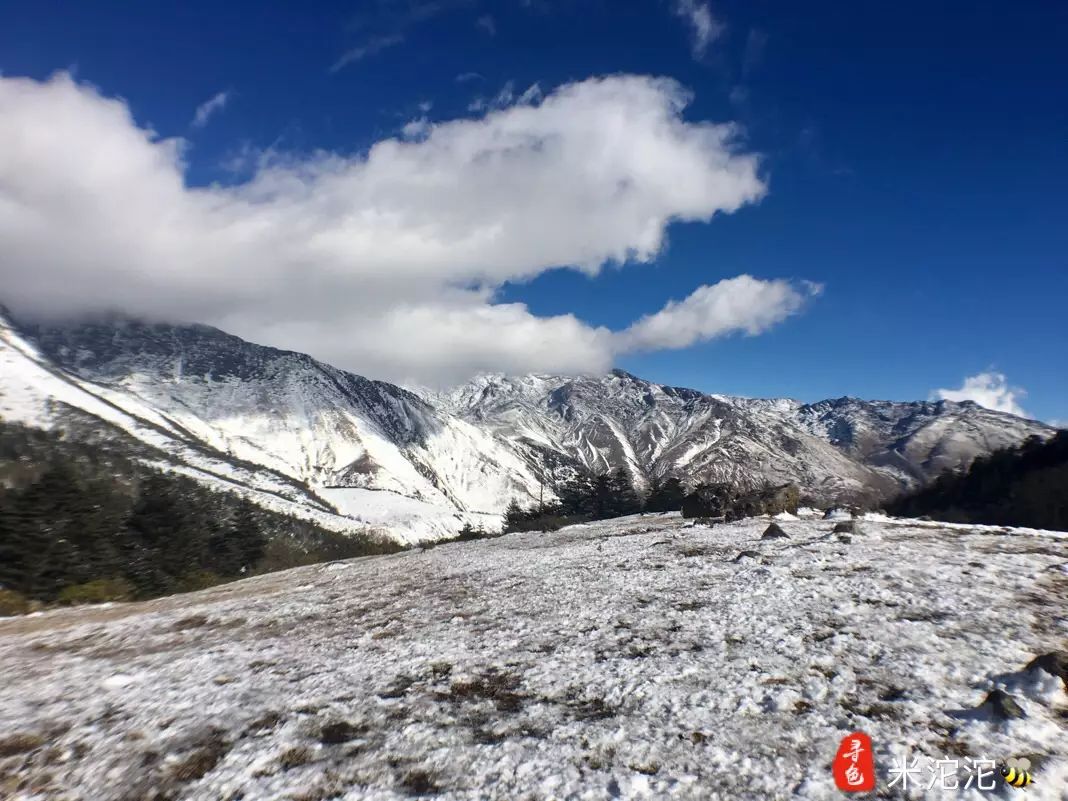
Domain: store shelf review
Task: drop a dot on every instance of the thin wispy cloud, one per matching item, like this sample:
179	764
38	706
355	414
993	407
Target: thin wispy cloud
704	27
386	23
487	24
209	108
369	48
465	77
507	97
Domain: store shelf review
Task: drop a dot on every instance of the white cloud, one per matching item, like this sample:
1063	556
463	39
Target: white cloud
704	26
988	389
486	23
387	262
206	110
413	129
735	305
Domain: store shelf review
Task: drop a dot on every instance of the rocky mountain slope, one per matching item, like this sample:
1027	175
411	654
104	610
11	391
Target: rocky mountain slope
835	449
298	431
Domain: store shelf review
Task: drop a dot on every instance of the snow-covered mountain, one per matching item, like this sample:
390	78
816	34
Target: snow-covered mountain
376	453
354	451
835	449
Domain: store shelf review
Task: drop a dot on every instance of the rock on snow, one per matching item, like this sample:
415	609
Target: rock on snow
631	659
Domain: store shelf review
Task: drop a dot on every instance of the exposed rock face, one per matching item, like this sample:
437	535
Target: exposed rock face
842	451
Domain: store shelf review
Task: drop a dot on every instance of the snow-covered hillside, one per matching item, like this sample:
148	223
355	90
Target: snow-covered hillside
640	658
296	415
420	466
36	391
834	449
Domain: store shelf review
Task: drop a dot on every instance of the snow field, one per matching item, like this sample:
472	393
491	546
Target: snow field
639	658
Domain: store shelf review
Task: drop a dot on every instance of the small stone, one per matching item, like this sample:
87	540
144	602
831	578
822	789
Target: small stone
746	555
338	731
1002	706
774	532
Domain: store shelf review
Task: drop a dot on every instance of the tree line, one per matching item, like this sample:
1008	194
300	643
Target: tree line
1023	486
82	522
595	497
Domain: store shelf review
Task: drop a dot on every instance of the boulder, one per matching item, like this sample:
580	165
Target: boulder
845	527
1055	663
777	500
774	532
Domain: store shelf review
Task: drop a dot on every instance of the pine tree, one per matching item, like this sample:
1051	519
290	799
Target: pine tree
17	543
40	518
622	499
666	496
576	496
164	546
514	516
247	535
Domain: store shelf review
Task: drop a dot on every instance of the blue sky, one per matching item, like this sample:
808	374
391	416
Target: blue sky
913	155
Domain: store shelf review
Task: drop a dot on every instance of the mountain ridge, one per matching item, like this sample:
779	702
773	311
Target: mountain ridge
389	456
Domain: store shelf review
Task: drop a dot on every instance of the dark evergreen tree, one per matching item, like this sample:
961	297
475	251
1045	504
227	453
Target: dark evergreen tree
666	496
1025	486
249	541
514	516
576	496
18	546
622	499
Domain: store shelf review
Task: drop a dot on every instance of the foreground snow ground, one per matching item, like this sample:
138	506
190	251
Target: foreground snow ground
639	658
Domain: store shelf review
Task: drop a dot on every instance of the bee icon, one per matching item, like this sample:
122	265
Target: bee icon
1015	773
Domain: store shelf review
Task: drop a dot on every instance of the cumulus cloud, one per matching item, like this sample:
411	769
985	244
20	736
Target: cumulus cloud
387	262
989	389
735	305
704	27
206	110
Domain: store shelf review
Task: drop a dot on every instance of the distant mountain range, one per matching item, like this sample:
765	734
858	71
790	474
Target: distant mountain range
309	439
